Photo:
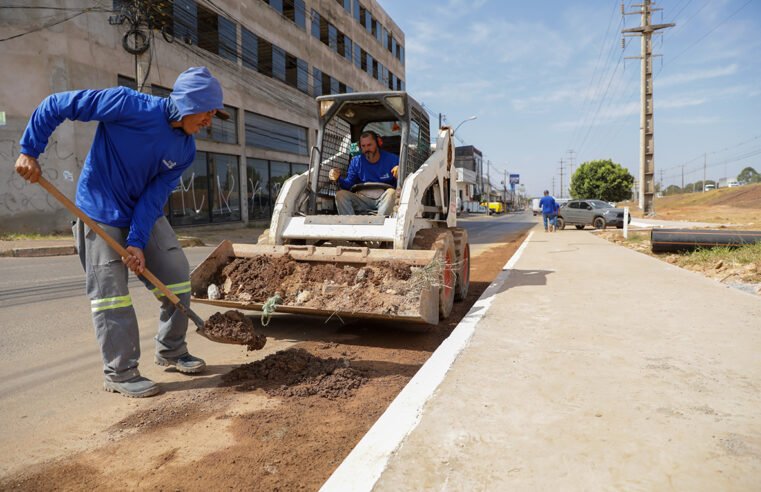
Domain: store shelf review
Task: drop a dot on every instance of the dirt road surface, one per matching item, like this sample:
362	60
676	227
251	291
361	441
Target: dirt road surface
282	422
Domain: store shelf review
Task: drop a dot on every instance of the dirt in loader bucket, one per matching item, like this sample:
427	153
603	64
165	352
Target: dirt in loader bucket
233	327
383	287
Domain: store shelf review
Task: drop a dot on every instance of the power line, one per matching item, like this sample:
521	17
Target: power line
56	22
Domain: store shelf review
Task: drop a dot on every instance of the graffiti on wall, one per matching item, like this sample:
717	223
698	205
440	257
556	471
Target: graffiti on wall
16	195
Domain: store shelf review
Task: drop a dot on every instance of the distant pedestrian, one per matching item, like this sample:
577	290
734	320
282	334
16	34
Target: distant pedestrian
141	147
547	204
554	217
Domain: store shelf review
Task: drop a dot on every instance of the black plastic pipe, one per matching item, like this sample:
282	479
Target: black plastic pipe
674	240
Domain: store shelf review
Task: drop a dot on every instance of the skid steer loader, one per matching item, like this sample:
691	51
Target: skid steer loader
420	240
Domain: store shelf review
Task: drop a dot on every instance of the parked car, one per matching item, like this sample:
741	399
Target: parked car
597	213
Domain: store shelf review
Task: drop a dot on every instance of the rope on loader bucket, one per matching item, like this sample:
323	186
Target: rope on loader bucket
269	308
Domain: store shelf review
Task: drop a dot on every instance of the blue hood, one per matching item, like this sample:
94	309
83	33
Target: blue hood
197	91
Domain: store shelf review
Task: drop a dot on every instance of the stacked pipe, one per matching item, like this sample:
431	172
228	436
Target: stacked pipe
675	240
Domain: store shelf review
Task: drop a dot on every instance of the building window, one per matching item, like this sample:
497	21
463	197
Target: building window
333	37
268	133
189	201
124	81
224	131
185	25
160	91
358	56
265	57
264	181
316	24
299	13
278	63
302	76
276	4
258	182
316	82
225	198
369	64
228	39
326	84
250	49
356	10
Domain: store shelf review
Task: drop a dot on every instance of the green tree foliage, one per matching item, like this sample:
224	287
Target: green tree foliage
604	180
672	190
749	175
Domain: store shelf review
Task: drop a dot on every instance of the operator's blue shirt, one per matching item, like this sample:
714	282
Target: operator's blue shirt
548	204
363	171
136	158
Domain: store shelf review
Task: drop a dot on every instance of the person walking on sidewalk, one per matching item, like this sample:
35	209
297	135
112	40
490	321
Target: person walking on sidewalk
547	204
372	165
141	147
554	217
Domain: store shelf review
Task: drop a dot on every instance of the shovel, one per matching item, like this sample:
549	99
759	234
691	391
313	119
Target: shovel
124	253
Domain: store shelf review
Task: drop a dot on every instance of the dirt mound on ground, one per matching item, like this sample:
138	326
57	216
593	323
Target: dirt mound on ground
298	373
391	288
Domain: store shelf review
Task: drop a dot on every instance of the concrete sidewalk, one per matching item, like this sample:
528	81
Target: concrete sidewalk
188	236
595	368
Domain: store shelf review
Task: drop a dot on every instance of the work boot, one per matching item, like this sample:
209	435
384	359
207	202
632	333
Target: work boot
184	363
137	387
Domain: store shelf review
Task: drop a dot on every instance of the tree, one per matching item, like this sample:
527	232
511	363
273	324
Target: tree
749	175
604	180
672	190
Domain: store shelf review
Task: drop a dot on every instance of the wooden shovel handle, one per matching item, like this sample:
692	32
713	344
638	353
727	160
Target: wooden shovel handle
111	241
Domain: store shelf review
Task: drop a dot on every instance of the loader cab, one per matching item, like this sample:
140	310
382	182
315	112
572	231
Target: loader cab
399	121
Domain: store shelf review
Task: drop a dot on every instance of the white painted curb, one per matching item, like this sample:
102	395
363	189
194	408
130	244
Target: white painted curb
364	465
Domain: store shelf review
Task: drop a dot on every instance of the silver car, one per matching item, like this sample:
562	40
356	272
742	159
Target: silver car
597	213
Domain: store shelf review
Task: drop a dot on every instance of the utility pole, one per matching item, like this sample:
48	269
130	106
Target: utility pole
647	141
488	181
561	178
553	185
504	185
570	168
661	180
704	173
682	178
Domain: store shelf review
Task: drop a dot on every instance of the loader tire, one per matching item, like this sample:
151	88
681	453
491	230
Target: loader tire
264	237
462	253
441	240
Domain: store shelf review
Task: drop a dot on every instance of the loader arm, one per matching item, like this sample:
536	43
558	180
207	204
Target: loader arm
435	172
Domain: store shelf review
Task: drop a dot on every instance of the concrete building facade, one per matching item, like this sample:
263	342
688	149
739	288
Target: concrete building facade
273	57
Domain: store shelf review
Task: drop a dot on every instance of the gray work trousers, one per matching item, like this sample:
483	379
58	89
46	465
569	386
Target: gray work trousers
349	203
111	304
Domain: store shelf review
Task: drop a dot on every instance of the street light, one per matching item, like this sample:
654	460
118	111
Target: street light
464	121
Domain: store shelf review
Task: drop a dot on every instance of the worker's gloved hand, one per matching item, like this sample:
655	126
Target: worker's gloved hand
136	260
28	168
395	171
334	174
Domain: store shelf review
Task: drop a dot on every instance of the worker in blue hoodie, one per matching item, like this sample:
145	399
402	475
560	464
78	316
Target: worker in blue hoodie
141	147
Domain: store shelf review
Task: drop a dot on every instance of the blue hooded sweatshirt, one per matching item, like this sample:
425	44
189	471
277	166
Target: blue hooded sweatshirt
363	171
136	158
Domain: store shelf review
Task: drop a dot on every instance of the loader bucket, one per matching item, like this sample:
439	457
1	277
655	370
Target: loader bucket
350	282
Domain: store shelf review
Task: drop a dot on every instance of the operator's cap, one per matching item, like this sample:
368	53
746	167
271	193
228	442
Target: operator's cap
196	90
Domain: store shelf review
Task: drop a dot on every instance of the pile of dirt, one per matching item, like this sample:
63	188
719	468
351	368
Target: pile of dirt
298	373
233	327
391	288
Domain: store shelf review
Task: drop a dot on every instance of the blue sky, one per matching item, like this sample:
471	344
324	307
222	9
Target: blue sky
546	77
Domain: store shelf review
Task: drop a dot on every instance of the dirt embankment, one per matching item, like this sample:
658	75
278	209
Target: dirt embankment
284	422
738	206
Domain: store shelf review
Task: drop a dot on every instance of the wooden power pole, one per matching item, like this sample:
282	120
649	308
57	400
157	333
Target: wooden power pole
647	143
